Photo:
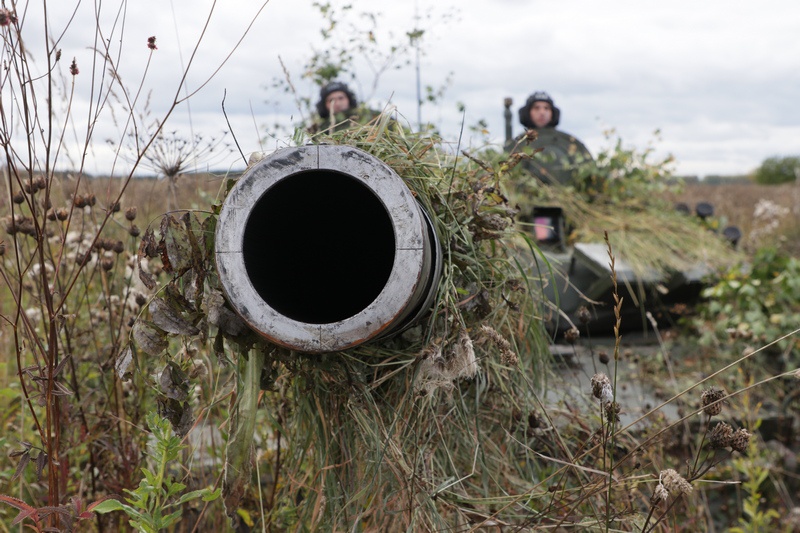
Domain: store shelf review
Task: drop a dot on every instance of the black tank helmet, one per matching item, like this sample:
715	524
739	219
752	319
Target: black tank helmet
525	111
331	87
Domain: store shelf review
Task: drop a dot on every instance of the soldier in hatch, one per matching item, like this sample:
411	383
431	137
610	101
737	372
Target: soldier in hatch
559	151
337	106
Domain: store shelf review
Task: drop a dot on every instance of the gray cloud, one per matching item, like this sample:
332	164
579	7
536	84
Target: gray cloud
719	79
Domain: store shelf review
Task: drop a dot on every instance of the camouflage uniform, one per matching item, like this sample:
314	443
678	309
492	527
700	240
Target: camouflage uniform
560	151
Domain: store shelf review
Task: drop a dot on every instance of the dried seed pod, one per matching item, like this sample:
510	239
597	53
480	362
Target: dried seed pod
612	411
83	259
710	399
62	214
601	387
130	213
91	199
79	201
720	436
107	263
119	247
40	182
584	315
572	335
603	357
115	207
134	231
740	439
18	197
11	225
51	214
27	227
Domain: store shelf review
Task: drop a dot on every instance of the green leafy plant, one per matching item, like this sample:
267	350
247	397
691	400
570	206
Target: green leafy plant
753	302
623	174
755	474
156	502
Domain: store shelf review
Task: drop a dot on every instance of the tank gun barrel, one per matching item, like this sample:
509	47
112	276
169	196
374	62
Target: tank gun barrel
321	248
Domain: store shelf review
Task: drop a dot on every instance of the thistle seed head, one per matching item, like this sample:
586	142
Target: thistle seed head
601	387
660	494
710	400
674	482
720	436
740	439
612	411
572	335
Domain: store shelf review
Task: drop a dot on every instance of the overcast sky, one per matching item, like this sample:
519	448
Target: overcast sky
719	79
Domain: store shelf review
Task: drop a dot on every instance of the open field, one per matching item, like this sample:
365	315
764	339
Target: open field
103	420
737	202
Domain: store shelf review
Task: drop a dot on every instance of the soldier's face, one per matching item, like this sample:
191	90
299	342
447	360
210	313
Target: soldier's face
337	101
541	114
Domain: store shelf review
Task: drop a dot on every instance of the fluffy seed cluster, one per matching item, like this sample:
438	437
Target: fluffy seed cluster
674	482
601	387
710	400
659	495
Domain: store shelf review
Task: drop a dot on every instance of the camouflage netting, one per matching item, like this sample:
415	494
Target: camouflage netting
430	430
621	193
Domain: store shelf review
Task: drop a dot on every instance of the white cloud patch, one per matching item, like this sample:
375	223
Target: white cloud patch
719	79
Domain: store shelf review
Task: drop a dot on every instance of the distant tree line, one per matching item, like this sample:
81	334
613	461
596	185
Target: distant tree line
774	170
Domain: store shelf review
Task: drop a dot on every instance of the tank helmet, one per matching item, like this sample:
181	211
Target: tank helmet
332	87
525	111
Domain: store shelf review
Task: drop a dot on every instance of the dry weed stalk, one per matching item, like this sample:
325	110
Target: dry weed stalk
69	291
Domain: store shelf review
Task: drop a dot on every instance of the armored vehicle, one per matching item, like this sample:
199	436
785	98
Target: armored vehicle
577	275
